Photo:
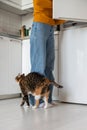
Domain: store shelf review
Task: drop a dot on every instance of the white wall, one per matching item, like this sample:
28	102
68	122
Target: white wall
27	20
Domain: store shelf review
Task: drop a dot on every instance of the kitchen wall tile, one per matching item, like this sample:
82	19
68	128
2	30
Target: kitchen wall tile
10	23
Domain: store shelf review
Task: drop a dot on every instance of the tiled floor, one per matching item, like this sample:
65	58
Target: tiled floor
60	117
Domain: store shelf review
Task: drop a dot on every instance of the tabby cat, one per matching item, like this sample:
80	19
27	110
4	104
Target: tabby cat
37	85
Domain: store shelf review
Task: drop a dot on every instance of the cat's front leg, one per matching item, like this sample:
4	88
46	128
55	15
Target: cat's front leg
27	100
22	103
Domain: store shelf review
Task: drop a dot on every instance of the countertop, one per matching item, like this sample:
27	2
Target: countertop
18	37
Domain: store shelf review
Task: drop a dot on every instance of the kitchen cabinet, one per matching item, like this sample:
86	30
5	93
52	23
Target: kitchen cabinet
19	7
26	4
13	3
70	10
73	65
10	65
19	2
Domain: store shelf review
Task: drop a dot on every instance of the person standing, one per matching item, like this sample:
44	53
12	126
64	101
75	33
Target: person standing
42	53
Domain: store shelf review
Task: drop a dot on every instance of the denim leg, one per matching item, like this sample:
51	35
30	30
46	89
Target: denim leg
38	48
41	47
37	51
50	61
49	74
31	99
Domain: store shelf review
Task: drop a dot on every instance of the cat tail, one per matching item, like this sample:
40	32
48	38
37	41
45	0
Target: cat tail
55	84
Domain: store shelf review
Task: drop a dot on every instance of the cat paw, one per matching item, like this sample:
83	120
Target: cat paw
27	106
45	106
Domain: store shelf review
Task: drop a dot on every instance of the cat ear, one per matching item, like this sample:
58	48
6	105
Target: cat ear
17	77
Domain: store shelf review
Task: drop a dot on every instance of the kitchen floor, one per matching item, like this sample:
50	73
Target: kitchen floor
60	117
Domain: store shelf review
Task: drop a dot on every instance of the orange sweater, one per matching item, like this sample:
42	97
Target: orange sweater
43	12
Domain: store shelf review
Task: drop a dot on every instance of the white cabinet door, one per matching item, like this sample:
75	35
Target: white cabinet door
26	66
73	65
70	9
10	65
4	65
26	4
15	64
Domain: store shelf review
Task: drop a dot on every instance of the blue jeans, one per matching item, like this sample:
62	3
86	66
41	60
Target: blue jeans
42	52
